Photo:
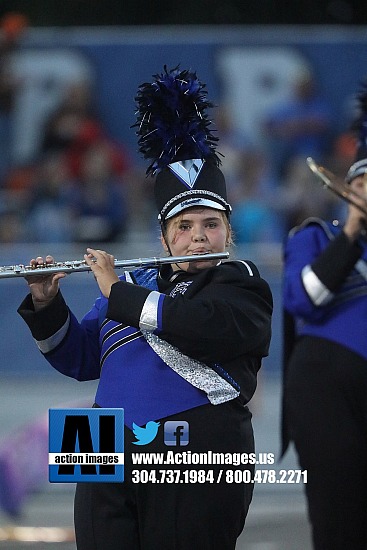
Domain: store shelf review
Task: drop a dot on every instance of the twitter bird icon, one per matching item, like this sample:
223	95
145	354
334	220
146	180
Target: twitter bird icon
147	434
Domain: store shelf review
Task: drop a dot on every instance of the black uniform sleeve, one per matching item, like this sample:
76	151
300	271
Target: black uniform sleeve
228	317
126	302
225	312
47	321
336	261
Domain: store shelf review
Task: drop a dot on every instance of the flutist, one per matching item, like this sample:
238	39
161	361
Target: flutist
180	343
325	395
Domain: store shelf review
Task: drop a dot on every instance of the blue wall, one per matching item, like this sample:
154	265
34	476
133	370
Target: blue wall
123	58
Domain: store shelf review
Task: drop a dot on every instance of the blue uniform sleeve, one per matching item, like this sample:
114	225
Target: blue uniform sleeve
70	347
78	354
301	249
315	267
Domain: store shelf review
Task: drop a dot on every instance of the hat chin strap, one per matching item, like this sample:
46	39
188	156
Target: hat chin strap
164	235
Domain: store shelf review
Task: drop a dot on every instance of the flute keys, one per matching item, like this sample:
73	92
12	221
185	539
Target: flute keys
12	268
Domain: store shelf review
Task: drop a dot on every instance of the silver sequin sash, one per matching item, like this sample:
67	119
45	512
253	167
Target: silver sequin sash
196	373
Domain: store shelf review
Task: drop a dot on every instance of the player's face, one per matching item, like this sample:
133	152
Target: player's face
359	185
197	231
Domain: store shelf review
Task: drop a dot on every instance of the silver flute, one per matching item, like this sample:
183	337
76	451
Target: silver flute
78	266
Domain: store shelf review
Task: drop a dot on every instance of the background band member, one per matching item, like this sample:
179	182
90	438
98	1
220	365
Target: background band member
325	404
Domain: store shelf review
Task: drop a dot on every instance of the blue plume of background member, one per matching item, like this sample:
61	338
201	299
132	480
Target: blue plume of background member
172	120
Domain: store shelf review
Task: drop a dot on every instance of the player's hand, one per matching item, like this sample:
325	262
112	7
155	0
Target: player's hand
356	222
103	266
43	287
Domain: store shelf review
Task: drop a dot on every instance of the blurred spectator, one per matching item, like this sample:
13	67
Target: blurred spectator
74	189
254	219
49	215
299	126
11	226
44	77
233	144
97	199
63	124
343	152
12	25
302	196
74	127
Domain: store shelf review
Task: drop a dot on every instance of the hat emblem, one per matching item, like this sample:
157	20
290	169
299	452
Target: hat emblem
187	170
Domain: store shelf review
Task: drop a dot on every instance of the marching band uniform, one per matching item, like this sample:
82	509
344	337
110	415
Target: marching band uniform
168	345
325	290
174	325
193	362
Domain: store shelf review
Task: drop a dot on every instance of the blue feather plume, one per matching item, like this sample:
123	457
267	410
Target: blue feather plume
172	120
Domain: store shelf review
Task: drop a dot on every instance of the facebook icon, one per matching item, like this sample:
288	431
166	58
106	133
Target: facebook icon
176	433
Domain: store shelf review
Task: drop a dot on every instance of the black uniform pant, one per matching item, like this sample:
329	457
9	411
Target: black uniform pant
173	516
326	396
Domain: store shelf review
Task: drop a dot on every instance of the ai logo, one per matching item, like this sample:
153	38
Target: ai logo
86	445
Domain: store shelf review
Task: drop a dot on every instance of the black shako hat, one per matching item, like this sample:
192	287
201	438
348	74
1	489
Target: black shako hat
359	127
173	129
192	182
